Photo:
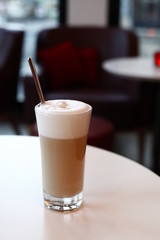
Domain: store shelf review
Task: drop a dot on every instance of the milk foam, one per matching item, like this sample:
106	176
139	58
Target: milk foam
63	119
62	107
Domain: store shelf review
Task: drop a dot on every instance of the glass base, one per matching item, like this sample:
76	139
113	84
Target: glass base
63	204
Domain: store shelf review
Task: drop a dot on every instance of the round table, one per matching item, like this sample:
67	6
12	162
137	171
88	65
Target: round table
144	70
138	68
121	197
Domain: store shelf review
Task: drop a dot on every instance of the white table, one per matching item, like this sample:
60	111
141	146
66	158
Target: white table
121	197
144	70
138	68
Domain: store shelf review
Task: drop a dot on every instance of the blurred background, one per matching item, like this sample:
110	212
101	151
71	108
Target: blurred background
142	16
31	16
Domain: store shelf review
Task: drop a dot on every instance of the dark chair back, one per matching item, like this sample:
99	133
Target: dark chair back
10	58
110	42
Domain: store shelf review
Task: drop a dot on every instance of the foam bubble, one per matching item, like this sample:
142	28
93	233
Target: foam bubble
63	119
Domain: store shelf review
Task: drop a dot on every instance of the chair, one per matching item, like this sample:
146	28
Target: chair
111	97
104	92
10	58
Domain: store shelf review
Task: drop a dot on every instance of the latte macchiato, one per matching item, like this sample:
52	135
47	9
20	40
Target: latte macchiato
63	128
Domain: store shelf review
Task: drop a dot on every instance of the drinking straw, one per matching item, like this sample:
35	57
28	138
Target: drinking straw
36	80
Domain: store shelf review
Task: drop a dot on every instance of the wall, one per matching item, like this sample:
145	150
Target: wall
87	12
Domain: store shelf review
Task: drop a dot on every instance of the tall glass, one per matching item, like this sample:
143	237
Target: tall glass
63	128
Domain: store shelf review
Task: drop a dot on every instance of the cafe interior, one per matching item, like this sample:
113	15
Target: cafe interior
69	41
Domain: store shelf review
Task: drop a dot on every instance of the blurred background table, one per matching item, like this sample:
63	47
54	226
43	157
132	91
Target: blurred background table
144	70
121	197
137	68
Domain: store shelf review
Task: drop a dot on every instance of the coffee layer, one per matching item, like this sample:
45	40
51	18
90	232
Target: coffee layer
63	165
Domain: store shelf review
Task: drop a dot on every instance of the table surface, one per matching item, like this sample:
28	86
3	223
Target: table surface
140	68
121	197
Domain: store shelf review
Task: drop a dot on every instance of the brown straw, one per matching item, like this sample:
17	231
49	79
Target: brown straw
36	80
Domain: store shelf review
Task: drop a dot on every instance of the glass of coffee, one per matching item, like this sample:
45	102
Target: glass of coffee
63	128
